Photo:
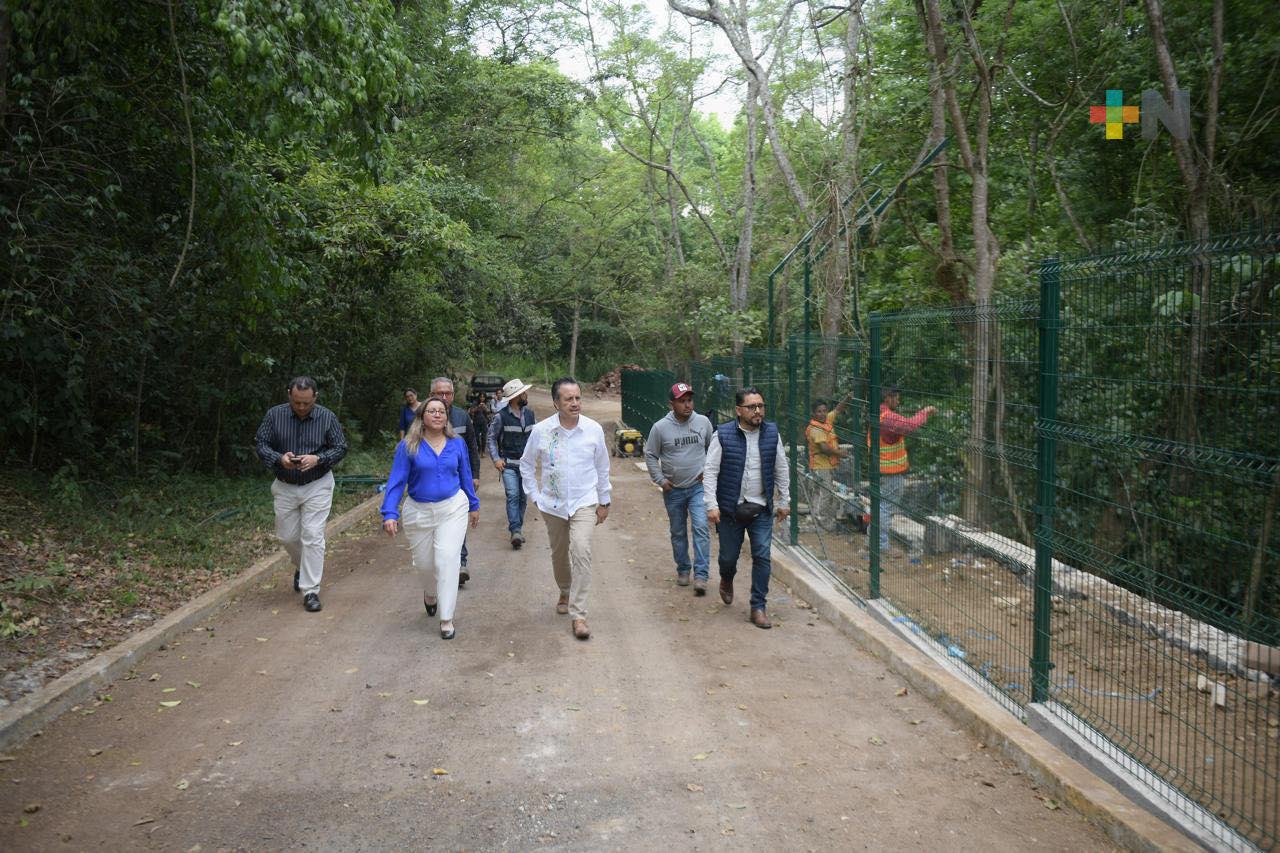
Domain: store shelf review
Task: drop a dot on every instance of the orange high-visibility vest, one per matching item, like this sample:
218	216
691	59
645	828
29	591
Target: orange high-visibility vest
893	455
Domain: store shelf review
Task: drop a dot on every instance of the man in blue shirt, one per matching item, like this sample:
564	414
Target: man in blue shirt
301	441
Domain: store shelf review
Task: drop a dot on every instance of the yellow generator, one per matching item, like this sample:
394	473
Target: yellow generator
627	441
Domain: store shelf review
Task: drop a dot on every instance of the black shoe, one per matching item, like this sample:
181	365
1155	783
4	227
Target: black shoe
431	608
311	601
297	576
447	633
463	577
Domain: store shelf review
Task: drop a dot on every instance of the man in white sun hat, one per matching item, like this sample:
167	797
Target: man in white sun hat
508	433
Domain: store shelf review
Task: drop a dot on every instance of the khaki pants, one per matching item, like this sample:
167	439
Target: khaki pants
571	555
301	512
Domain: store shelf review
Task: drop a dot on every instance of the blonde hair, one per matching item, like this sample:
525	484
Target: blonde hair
417	430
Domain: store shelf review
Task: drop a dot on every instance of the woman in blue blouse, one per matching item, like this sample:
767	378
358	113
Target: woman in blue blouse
432	462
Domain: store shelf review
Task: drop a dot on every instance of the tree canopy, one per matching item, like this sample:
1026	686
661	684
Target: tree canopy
200	198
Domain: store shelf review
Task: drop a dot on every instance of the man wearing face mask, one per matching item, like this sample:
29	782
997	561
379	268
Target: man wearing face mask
747	485
301	441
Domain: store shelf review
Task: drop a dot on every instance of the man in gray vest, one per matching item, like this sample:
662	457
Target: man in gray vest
675	454
508	433
442	387
747	485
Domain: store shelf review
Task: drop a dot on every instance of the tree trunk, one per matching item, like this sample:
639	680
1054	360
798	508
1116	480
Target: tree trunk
738	32
948	274
573	340
986	250
1195	179
741	273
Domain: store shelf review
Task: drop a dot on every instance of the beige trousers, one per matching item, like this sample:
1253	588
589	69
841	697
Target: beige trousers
301	512
571	555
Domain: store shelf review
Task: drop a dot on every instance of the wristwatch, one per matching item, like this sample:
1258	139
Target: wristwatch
606	506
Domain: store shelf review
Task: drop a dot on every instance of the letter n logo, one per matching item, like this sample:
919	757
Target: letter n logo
1175	118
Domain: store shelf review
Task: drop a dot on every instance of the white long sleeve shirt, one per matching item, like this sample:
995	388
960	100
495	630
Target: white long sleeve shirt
752	480
573	463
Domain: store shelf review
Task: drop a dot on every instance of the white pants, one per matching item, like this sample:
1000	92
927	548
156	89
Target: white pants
301	512
435	532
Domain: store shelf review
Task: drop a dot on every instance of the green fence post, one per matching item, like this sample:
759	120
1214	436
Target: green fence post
792	423
1046	465
873	456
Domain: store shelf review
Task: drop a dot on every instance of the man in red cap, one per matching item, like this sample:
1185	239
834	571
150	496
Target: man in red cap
675	453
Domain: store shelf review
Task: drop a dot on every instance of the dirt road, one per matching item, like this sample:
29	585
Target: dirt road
678	725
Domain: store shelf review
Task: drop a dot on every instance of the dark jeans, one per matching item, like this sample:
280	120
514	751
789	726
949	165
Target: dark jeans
761	532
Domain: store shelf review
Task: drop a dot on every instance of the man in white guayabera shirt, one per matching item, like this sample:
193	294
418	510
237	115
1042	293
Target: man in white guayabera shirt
747	485
572	491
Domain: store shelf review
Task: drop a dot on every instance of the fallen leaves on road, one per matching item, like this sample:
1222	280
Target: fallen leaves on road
701	756
353	669
439	771
144	821
175	703
235	743
421	701
696	789
875	740
262	639
155	676
183	785
902	691
193	684
31	808
170	690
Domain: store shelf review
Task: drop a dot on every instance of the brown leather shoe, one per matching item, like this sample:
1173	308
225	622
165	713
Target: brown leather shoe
562	606
760	619
580	629
726	591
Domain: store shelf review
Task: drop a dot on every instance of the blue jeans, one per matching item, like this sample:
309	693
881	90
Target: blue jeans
515	497
761	531
890	495
682	502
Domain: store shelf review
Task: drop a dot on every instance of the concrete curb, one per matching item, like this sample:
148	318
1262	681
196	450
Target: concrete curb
1062	778
34	711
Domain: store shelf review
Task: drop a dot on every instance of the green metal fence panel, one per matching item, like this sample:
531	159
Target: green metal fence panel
644	397
1141	436
960	557
1165	529
831	501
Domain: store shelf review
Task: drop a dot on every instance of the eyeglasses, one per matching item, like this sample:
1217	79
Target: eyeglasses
435	411
752	406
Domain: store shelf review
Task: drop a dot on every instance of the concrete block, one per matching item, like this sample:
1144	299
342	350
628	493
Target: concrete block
1264	658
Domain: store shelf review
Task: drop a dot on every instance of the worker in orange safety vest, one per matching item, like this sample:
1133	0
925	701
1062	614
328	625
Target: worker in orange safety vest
894	428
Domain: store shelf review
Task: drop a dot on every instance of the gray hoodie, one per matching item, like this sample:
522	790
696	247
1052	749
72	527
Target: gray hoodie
677	451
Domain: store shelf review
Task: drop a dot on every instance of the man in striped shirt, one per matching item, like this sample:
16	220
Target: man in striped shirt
300	442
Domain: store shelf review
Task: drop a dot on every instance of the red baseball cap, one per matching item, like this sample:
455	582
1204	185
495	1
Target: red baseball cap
680	390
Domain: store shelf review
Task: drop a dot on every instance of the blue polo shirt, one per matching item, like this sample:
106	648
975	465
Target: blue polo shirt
430	477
